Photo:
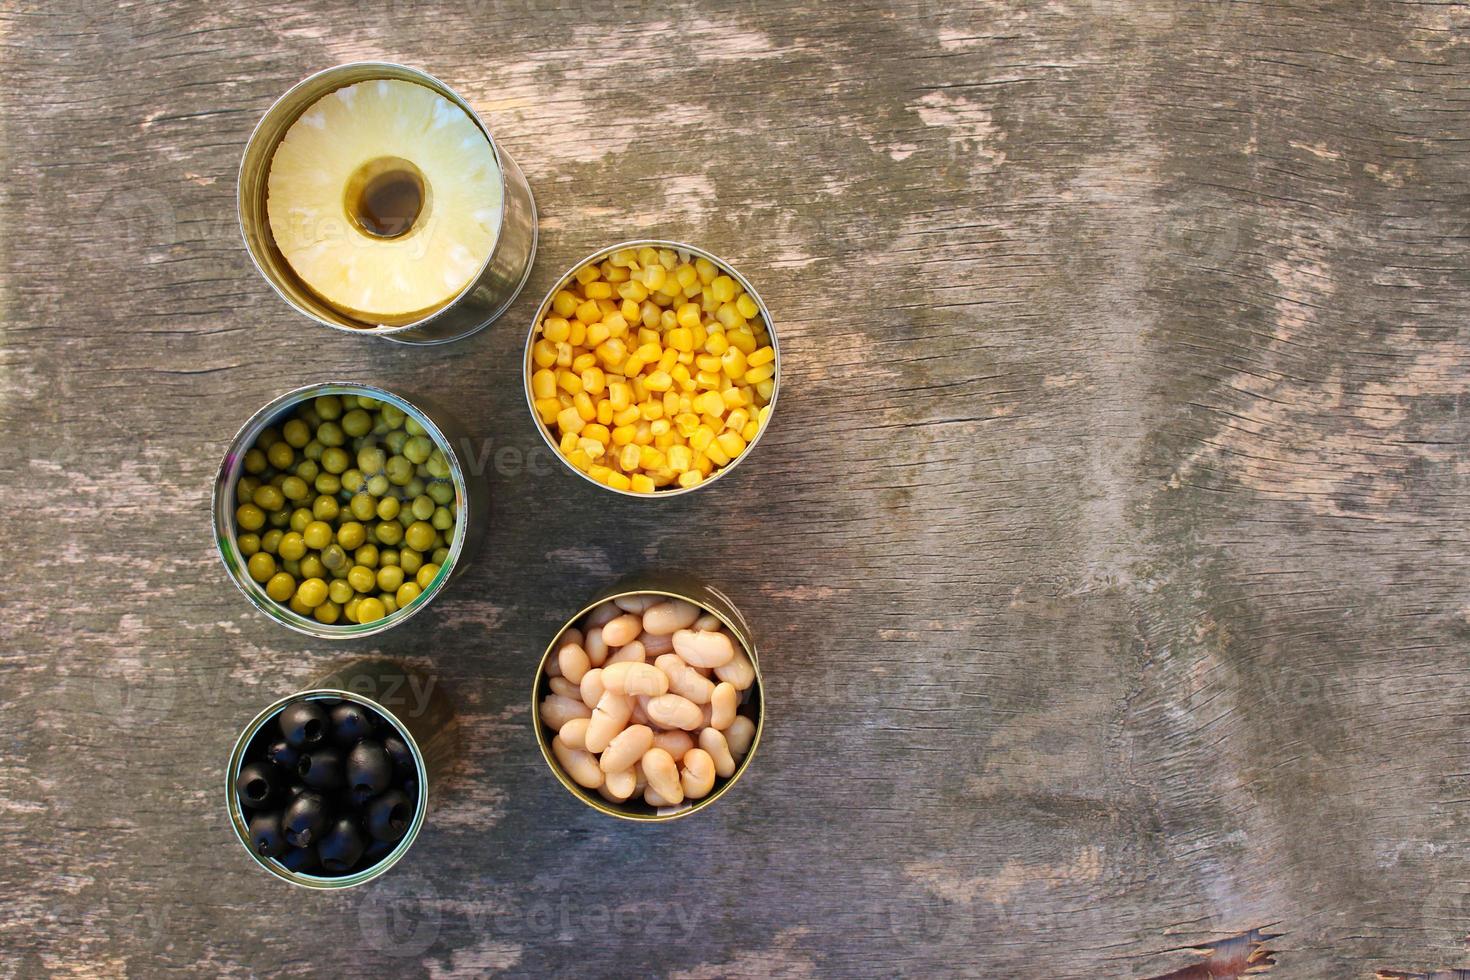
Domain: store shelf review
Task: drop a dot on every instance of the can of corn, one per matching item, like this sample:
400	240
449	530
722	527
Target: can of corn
684	252
471	505
410	701
488	293
708	598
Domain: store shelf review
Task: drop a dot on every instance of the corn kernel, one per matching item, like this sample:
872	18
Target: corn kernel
706	269
682	377
594	382
743	339
570	421
591	447
624	257
733	398
547	409
604	412
619	394
650	458
659	427
622	435
628	416
589	312
702	438
612	352
583	361
710	403
750	430
543	353
598	290
717	454
582	402
628	458
580	460
731	443
556	329
564	303
703	464
597	333
758	374
569	382
680	458
736	420
723	288
686	424
652	410
629	312
618	481
746	306
681	339
633	290
599	473
717	344
564	355
708	379
690	478
642	434
654	276
733	362
634	365
615	274
729	316
543	384
766	389
659	381
641	483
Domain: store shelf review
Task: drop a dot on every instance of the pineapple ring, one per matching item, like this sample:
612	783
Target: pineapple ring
360	165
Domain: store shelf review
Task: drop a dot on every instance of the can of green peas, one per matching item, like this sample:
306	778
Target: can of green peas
641	592
390	133
405	704
612	345
394	549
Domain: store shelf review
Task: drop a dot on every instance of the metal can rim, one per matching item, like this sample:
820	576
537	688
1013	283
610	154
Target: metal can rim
598	255
501	159
222	518
324	882
593	800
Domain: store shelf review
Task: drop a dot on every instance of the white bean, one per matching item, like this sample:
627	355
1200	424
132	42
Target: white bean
573	662
595	646
591	688
668	616
663	775
622	630
556	710
608	718
629	652
684	680
675	743
672	711
635	603
564	687
603	613
629	677
619	786
707	623
640	710
739	671
740	735
574	733
626	749
706	649
577	763
713	742
653	799
723	702
698	776
656	646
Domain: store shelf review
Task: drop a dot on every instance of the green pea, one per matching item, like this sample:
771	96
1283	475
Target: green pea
249	544
442	519
255	461
393	415
411	425
370	459
245	488
292	546
390	577
294	488
423	508
314	449
388	508
317	534
370	610
357	423
327	483
339	590
308	470
364	507
388	532
261	566
271	540
280	587
388	556
361	578
349	402
441	555
300	517
399	470
325	508
328	612
353	481
418	449
441	491
405	517
334	557
330	434
335	460
268	437
312	567
292	566
296	433
390	604
414	488
328	406
249	517
351	535
280	455
268	498
312	592
280	518
438	465
410	561
367	401
378	484
395	441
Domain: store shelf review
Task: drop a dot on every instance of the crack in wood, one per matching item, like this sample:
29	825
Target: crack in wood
1238	956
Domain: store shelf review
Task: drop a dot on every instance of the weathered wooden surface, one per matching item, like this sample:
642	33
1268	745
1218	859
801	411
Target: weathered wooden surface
1108	548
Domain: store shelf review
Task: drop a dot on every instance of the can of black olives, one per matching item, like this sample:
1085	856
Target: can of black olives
404	704
710	600
488	294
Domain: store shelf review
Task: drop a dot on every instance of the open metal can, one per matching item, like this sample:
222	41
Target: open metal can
488	295
410	702
471	499
683	250
711	600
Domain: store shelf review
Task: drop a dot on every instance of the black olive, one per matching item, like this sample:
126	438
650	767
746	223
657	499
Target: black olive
377	850
350	723
389	815
304	724
302	860
305	819
265	834
258	785
398	752
321	768
282	754
341	847
369	770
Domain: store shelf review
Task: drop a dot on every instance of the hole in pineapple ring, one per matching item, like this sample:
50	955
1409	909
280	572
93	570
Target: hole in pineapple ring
385	197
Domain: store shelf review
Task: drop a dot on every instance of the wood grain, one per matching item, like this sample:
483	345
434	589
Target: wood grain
1107	552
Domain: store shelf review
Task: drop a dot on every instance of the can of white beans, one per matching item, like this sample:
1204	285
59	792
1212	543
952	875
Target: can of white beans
368	207
738	740
411	706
